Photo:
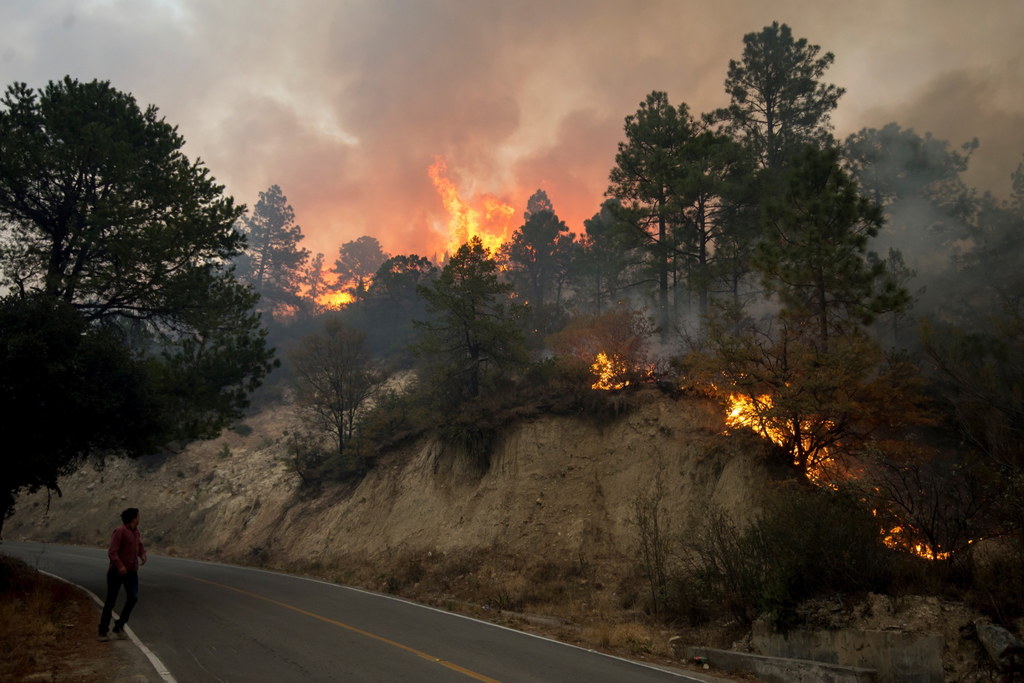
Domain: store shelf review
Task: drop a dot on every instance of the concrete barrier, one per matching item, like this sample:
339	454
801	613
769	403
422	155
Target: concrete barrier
896	656
780	669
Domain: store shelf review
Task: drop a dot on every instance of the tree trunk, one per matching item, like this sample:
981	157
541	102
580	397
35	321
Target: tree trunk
663	264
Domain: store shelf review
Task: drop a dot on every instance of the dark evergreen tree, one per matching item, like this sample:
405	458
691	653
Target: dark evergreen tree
918	181
69	389
473	325
106	224
314	282
272	263
357	261
713	173
608	250
645	180
393	301
538	256
989	274
813	255
778	103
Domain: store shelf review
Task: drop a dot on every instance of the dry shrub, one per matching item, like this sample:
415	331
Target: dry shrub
634	638
621	332
509	593
806	543
998	589
486	578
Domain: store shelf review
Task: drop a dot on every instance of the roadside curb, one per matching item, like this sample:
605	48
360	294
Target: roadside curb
158	666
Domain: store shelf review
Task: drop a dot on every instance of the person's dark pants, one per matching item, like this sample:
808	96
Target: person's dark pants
115	580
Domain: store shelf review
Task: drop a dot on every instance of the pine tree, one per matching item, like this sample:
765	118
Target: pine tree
778	103
273	262
472	327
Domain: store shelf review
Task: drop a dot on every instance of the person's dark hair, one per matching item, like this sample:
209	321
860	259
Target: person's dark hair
129	514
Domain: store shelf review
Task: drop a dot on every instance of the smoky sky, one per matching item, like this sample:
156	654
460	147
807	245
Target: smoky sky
345	104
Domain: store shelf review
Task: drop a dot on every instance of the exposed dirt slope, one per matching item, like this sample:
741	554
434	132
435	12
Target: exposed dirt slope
556	486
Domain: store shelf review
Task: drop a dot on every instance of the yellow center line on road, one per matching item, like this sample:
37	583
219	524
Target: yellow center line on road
422	655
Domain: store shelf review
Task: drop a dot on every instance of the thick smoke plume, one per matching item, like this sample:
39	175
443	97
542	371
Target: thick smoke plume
347	105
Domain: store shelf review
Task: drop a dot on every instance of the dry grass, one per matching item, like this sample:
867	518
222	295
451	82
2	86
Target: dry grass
636	639
48	630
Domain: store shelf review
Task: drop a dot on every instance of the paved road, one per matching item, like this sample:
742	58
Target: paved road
214	622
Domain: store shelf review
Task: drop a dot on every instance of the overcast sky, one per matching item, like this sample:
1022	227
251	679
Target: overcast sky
346	103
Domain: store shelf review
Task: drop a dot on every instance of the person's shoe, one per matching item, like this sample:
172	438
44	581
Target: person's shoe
120	634
104	637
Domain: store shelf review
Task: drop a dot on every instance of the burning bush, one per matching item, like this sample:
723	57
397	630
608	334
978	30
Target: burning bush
612	344
932	505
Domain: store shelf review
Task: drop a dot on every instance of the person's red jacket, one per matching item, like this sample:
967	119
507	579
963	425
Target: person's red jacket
125	548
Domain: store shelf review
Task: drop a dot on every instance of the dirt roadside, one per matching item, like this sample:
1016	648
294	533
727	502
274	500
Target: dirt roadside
64	647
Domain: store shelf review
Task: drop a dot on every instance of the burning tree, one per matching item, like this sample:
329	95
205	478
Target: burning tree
812	378
356	264
931	504
814	404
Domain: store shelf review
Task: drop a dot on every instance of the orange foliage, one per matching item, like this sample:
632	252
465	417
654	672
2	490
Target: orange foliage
621	333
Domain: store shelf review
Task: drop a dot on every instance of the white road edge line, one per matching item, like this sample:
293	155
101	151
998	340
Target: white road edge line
161	670
678	673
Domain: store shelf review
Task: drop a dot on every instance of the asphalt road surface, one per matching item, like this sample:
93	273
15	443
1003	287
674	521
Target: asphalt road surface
215	622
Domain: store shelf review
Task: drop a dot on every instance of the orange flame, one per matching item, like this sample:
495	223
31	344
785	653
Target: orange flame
610	372
335	300
897	538
490	219
748	411
335	297
751	412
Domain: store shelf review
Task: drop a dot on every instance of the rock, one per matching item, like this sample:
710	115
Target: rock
1003	647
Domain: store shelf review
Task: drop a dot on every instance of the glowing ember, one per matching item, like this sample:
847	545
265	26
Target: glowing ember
897	538
490	220
610	372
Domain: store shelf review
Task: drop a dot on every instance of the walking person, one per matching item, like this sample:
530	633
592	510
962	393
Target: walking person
126	555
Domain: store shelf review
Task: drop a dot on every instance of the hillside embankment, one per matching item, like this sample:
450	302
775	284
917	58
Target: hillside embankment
555	487
547	528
